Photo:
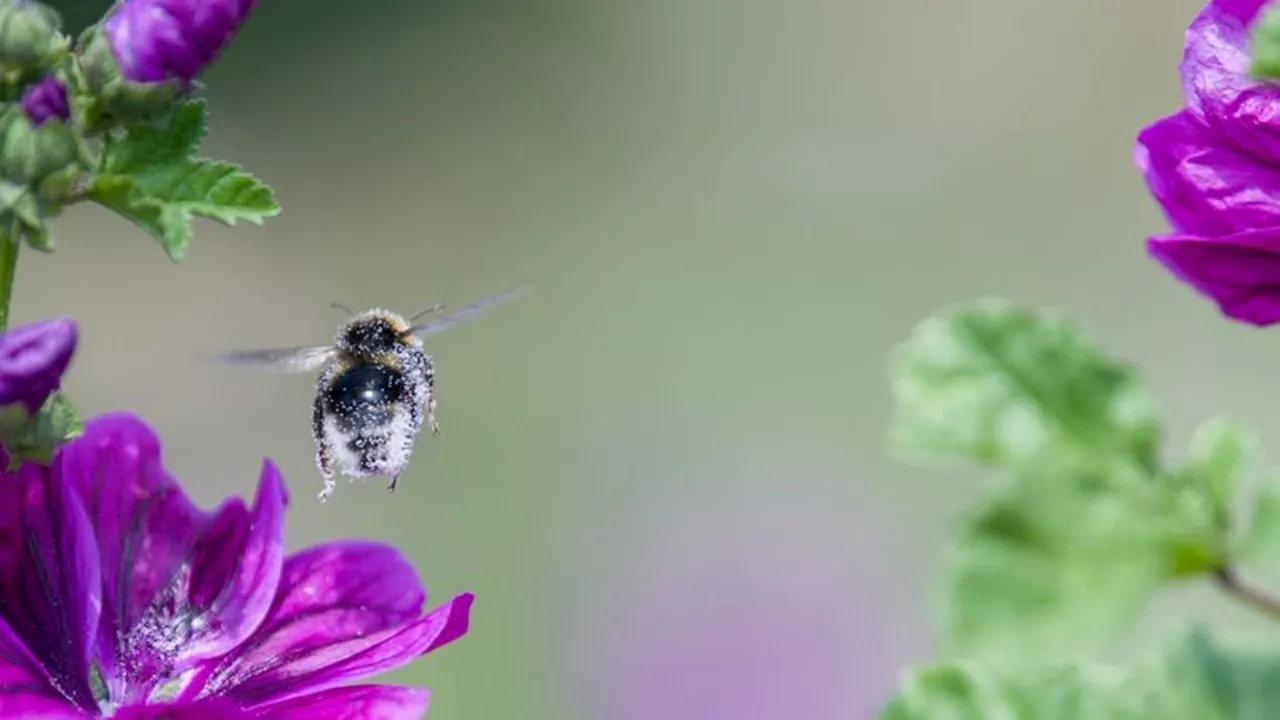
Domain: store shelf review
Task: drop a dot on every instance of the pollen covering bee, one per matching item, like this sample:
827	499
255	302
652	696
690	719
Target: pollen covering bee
375	390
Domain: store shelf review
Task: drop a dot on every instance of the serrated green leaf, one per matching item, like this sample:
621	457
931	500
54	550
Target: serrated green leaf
143	149
167	225
151	177
164	202
1059	565
1005	385
36	438
212	189
968	691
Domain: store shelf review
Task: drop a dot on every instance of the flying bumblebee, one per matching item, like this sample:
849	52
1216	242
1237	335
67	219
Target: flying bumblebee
375	390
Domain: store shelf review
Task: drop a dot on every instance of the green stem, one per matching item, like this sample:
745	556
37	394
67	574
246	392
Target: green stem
1231	584
8	264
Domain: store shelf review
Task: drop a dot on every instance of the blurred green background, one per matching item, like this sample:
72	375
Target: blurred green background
664	473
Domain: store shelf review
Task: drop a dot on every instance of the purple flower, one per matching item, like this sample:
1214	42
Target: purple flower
33	359
1214	167
119	598
45	101
158	40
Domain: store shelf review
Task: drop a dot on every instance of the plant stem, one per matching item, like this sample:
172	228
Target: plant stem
1231	584
8	264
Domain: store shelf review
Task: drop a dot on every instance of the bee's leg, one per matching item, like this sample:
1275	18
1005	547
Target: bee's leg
324	454
431	412
391	486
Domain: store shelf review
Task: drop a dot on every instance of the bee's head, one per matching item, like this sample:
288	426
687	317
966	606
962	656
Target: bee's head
372	334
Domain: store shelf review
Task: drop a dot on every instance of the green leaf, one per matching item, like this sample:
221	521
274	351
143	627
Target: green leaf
1265	45
143	149
151	177
35	438
967	691
1262	526
1224	454
1223	685
1006	385
170	228
1052	563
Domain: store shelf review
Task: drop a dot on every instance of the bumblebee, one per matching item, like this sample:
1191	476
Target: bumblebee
375	391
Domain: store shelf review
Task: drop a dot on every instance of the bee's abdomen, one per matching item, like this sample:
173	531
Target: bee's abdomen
364	396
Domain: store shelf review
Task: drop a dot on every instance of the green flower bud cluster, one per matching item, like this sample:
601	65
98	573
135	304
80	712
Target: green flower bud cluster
31	41
41	156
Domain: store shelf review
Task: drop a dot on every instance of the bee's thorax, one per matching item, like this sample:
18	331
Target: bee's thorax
372	335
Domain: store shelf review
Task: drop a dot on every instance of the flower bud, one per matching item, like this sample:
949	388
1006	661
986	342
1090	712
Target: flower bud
111	98
32	360
161	40
148	52
29	36
45	101
29	154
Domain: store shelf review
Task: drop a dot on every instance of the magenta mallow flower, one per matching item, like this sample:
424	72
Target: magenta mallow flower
161	40
44	101
1214	167
33	359
119	598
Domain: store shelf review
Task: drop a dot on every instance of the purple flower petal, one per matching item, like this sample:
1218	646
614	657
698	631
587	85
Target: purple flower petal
144	523
1241	272
238	571
32	360
50	578
45	101
1243	11
1205	187
1217	85
343	658
181	584
160	40
328	594
205	710
21	706
359	702
24	684
219	594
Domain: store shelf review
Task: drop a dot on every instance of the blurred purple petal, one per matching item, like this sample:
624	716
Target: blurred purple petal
356	656
1243	11
46	100
21	706
160	40
360	702
50	576
1241	272
206	710
32	360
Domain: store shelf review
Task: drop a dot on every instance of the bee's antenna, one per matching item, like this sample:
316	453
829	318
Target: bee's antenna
343	308
426	311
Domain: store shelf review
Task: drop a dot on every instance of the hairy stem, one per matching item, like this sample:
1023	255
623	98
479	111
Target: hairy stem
8	265
1231	584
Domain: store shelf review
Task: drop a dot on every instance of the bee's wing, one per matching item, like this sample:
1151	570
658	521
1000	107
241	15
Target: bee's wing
467	313
285	360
